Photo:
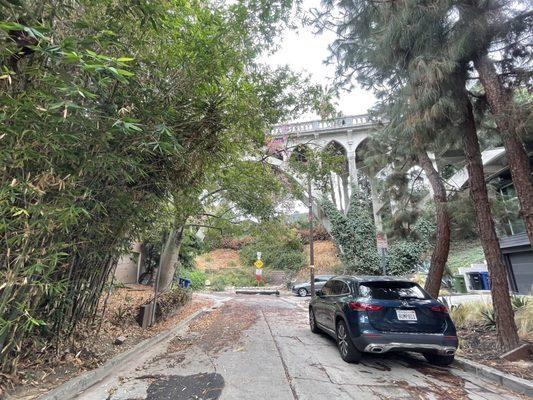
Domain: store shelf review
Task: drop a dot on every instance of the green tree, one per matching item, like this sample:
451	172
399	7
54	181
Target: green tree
112	114
410	50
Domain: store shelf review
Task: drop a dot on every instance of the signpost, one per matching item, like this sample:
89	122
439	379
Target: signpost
258	268
311	243
382	245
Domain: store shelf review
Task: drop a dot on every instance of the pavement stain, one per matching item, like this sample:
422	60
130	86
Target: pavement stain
205	386
380	366
432	391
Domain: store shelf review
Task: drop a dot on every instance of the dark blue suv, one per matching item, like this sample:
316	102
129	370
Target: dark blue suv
377	314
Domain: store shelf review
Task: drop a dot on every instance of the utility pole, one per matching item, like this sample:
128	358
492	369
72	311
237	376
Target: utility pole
311	234
156	281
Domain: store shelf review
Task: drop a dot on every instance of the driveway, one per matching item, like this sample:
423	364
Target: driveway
260	347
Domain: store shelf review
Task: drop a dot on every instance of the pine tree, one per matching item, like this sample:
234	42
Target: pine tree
502	28
406	48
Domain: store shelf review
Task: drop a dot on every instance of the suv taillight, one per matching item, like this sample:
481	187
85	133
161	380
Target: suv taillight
358	306
441	309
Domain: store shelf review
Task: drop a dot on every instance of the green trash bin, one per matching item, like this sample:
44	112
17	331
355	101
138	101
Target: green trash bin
459	284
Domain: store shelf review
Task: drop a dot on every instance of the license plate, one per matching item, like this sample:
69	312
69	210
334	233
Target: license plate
406	315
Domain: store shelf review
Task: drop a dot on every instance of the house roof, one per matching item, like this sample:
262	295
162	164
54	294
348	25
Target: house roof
520	239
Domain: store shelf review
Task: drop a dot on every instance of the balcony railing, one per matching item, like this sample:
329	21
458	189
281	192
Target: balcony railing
322	125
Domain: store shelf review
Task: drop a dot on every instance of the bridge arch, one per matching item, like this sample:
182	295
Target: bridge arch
339	173
342	135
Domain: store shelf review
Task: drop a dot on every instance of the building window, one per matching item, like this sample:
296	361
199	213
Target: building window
514	224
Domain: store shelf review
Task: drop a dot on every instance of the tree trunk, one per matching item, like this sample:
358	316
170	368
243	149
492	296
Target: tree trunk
442	245
500	104
503	311
169	258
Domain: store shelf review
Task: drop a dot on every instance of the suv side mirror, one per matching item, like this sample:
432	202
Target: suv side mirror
318	293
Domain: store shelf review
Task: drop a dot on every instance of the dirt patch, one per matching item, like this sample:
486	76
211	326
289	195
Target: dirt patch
432	391
479	344
376	365
326	259
454	384
86	351
218	330
437	379
218	259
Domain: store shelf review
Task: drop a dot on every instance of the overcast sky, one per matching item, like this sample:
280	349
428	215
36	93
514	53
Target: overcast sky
304	51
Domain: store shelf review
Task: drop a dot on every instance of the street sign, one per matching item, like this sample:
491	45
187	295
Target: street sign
382	241
258	255
258	274
258	264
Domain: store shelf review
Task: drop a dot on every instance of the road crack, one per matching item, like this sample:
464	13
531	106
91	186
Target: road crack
285	368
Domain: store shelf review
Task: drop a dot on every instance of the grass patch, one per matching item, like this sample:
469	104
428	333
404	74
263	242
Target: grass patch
238	277
462	254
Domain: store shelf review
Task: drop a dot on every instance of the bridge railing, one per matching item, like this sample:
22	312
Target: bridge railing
321	125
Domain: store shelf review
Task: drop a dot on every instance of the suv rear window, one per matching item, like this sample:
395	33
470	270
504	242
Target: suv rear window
391	290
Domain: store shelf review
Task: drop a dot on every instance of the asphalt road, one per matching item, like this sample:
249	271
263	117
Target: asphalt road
260	347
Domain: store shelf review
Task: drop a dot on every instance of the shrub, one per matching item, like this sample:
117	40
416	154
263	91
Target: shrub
235	244
458	314
524	320
197	279
218	284
489	319
191	246
281	251
119	315
482	314
419	279
519	301
469	314
319	233
404	257
233	277
169	301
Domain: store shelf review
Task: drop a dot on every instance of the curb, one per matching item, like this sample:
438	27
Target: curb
509	381
264	292
75	386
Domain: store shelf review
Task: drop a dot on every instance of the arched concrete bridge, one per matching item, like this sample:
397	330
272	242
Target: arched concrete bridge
346	134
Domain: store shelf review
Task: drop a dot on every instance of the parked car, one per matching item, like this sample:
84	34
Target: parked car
382	314
304	289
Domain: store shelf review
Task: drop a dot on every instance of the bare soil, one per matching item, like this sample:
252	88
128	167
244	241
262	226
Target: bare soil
219	259
326	259
218	330
479	344
88	350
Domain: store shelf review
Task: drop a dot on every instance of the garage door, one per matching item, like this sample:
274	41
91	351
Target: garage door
522	264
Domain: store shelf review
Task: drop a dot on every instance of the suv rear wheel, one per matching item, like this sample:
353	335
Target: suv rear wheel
312	322
302	292
348	351
438	359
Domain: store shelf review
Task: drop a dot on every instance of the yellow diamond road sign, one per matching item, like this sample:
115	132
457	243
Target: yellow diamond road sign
258	264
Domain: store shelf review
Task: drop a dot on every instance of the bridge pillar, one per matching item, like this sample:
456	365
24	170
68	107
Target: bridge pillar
377	205
352	168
